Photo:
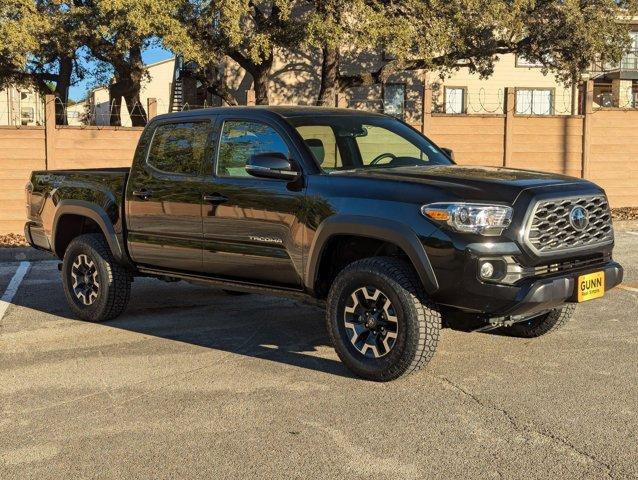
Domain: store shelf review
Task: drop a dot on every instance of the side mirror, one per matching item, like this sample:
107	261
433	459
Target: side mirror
449	152
271	165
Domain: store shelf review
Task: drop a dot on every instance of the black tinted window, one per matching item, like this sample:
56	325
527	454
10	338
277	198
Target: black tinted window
179	147
364	141
242	139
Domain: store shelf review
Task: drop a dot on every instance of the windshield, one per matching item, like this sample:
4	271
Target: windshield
345	142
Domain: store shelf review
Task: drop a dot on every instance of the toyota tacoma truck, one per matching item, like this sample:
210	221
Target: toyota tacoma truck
357	211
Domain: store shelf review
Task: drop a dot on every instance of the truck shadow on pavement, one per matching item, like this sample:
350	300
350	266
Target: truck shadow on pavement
275	329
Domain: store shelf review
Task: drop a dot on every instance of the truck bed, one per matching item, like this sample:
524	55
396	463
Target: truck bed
53	192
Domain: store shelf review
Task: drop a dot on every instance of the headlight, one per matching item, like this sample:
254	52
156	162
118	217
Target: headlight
479	218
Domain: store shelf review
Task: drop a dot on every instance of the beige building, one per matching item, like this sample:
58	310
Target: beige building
157	85
21	106
616	85
296	79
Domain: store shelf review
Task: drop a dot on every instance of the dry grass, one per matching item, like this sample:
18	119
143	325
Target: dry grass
12	240
626	213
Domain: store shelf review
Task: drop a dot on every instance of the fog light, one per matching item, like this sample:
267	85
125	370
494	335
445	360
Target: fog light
487	270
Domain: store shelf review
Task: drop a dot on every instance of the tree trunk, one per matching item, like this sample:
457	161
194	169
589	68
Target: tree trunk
260	73
62	90
329	77
261	88
115	104
261	79
135	107
135	73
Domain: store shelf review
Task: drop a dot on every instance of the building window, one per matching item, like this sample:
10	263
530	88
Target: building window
630	60
534	101
28	115
394	99
455	100
523	62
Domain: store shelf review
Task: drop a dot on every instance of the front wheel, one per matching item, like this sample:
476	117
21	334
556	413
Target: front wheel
96	287
379	320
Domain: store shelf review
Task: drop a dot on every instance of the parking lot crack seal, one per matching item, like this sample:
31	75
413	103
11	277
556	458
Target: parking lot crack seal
528	430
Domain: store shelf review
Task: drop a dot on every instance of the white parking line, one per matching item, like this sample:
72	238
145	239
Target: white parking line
629	289
12	288
633	233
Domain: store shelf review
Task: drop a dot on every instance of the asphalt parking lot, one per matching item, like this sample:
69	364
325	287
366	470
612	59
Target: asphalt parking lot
191	382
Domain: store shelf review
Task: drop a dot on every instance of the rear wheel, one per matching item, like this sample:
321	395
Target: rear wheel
379	320
543	324
96	287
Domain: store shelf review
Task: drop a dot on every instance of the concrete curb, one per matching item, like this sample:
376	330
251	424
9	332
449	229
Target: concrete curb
23	253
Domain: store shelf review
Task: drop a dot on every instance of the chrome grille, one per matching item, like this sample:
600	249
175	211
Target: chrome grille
550	230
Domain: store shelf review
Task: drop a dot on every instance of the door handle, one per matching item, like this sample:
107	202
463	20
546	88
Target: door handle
143	193
215	198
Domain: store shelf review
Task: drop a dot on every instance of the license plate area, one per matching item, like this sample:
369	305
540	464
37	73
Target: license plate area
590	286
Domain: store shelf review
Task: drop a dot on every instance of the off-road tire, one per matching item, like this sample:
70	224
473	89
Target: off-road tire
114	279
543	324
419	321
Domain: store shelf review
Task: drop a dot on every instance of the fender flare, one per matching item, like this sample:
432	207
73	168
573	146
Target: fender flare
99	216
381	229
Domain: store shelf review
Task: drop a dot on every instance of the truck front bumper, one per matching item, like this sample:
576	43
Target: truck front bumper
527	297
543	294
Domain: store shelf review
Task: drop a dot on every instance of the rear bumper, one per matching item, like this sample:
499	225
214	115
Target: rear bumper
36	237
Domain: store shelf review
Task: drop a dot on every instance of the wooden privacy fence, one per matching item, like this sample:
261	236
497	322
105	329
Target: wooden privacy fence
600	145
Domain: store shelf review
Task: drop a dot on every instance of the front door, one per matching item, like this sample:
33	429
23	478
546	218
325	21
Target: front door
165	197
251	225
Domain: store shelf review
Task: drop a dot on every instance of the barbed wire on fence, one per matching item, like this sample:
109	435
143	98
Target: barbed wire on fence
538	101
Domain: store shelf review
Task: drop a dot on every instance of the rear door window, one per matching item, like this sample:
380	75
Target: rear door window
179	147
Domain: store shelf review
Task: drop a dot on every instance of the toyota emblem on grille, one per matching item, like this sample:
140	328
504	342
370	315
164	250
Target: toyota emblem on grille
578	218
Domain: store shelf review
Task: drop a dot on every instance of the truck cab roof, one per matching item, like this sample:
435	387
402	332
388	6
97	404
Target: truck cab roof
285	111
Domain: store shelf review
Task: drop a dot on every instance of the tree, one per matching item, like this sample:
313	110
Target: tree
247	31
565	36
116	32
37	47
334	25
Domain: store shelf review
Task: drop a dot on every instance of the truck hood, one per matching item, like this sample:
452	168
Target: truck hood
470	182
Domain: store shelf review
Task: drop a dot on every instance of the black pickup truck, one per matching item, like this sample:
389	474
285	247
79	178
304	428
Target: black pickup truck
353	209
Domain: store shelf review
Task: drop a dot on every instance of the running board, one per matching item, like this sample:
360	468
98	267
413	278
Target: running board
286	292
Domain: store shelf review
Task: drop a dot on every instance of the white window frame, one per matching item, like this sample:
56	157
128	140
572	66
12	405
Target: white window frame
532	91
463	111
400	115
522	62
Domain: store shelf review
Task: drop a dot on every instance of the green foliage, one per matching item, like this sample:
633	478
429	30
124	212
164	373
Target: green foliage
565	35
29	42
435	35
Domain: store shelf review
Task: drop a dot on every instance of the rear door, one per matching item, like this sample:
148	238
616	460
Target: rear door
252	229
164	193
